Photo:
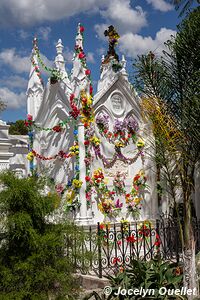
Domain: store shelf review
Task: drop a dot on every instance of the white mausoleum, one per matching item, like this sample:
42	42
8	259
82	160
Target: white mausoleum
50	104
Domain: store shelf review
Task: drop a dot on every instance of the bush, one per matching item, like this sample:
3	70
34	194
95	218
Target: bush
147	275
32	260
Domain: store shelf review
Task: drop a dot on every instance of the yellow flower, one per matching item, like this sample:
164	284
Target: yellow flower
95	140
77	183
140	143
89	101
30	156
74	150
141	173
147	223
137	200
100	207
70	196
119	144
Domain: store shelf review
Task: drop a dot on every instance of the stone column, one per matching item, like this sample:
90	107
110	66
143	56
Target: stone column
84	217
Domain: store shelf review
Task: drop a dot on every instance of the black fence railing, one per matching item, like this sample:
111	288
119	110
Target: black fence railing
106	249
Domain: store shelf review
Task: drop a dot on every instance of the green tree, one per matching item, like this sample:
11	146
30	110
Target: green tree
18	128
184	5
33	258
174	80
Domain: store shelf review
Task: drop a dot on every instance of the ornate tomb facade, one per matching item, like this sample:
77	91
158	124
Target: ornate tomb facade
97	140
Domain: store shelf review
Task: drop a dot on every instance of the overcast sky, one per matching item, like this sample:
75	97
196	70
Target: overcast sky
143	25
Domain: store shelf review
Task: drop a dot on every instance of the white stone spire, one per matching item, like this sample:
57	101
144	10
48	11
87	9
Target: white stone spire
59	59
79	80
123	70
35	85
79	38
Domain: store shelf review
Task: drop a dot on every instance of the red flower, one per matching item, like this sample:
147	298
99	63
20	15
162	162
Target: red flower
87	72
131	239
85	125
82	29
81	55
136	177
72	97
158	241
101	226
115	260
26	123
91	90
112	193
144	232
57	128
87	178
86	143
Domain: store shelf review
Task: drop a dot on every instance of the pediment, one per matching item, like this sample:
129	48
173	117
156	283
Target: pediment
119	100
55	103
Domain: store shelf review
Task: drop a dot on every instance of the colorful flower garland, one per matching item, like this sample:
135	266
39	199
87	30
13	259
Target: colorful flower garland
36	68
108	163
135	197
55	74
60	127
123	131
30	156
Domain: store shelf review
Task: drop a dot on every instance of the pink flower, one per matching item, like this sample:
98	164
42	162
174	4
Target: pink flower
29	117
118	204
59	188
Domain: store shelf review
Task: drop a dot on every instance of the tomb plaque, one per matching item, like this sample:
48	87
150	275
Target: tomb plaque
117	104
118	166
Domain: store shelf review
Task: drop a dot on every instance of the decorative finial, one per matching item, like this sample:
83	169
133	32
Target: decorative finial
123	63
35	43
113	37
79	36
59	59
59	47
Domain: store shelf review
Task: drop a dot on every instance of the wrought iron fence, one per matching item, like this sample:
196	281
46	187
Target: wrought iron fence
105	249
